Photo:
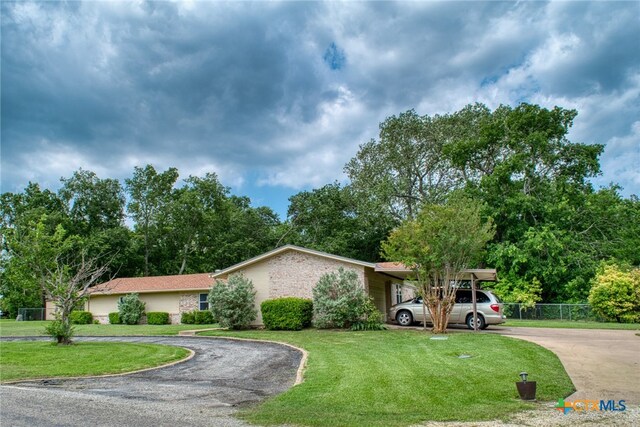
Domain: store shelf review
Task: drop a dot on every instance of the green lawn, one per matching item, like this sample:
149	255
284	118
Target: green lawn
398	378
24	360
576	324
11	328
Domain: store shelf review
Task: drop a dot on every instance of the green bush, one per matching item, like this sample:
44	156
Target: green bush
158	318
81	318
287	314
114	318
188	317
203	317
60	332
198	317
232	302
371	319
339	300
130	309
615	293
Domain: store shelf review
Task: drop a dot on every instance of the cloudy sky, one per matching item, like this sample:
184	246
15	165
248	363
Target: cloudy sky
275	97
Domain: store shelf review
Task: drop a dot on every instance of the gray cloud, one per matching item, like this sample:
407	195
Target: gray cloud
243	89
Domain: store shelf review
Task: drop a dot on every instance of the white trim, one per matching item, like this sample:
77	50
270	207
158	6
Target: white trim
285	248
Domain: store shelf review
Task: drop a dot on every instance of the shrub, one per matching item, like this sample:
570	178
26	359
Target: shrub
188	317
288	314
114	318
615	293
59	332
81	318
232	302
371	319
96	322
130	309
158	318
203	317
339	300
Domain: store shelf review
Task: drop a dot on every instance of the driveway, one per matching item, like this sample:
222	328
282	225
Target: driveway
206	390
603	364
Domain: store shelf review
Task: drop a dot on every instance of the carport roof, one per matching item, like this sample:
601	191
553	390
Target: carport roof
400	270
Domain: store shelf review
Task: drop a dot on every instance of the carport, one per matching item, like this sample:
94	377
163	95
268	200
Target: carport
473	275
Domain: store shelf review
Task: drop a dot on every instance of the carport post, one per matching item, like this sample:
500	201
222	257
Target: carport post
473	299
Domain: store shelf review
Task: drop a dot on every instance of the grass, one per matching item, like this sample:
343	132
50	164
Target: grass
399	378
11	328
28	360
569	324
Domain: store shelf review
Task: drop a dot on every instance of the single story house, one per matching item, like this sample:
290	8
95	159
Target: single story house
285	271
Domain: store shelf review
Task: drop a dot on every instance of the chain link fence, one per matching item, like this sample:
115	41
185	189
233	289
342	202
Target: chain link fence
551	312
31	314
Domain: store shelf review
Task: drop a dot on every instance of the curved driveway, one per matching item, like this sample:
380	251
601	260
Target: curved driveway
603	364
202	391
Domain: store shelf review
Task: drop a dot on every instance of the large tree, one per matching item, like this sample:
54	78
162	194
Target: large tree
440	242
552	227
406	166
150	193
20	284
330	219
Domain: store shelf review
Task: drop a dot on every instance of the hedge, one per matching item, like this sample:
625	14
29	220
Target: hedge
290	313
158	318
81	318
198	317
114	318
204	317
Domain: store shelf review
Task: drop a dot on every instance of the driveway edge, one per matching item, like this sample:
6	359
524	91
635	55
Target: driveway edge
301	366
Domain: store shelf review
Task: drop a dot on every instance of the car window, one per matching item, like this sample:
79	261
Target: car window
463	296
482	297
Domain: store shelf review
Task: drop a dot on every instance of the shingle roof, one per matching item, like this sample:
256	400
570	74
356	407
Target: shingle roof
181	282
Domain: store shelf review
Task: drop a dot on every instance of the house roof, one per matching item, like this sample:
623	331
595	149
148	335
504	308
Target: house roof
285	248
183	282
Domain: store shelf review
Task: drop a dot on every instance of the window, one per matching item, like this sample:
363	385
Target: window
204	304
398	293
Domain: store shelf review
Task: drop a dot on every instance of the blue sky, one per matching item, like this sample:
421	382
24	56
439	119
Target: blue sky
275	97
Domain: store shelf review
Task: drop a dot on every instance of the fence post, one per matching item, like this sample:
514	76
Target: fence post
560	311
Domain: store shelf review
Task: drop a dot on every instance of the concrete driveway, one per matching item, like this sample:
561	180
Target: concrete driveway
206	390
603	364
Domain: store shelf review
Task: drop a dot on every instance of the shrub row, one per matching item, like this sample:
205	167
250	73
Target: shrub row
158	318
288	314
197	317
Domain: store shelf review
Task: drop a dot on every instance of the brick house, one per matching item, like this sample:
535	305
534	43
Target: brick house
285	271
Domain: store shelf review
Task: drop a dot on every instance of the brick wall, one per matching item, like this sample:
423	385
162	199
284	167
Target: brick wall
295	273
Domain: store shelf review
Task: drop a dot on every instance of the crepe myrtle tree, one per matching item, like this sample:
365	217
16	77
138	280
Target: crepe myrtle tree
437	245
67	285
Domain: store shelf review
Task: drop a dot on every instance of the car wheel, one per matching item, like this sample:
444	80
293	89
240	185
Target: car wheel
404	318
481	323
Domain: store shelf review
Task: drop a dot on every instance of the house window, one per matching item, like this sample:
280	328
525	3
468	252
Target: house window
398	293
204	303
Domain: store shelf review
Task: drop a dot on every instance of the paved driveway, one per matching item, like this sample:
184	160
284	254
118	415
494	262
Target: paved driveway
603	364
205	390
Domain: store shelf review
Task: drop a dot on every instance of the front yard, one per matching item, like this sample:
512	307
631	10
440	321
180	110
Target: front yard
381	378
399	378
